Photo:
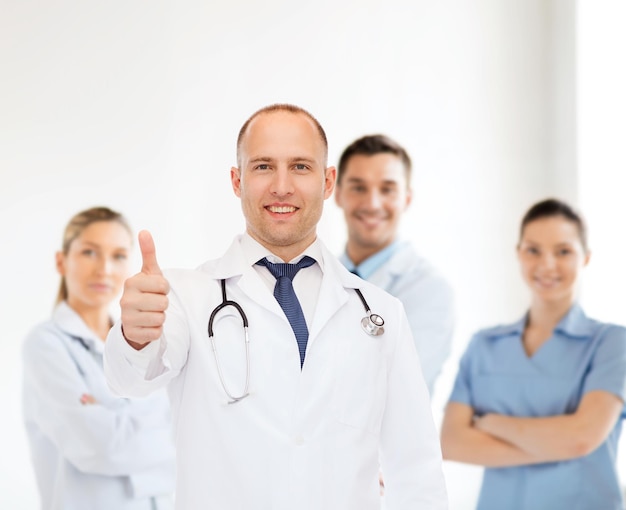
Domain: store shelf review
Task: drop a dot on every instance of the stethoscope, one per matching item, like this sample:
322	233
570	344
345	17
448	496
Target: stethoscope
372	324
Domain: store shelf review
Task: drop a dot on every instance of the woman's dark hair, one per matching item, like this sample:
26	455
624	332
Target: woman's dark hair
75	227
553	207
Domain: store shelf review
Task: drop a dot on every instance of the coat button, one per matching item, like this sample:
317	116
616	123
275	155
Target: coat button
298	440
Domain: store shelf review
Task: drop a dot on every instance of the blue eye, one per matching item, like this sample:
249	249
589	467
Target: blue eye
120	256
88	252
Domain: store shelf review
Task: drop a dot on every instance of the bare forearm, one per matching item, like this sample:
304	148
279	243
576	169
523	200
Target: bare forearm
551	438
473	446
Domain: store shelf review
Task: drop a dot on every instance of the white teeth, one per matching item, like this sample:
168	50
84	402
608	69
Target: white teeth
282	209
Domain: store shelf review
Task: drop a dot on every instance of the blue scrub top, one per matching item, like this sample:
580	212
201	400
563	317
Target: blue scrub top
497	376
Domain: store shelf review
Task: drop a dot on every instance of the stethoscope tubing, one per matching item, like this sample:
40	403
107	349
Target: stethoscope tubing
372	324
225	303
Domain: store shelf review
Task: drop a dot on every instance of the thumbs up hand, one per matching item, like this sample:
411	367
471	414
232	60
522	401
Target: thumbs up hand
144	300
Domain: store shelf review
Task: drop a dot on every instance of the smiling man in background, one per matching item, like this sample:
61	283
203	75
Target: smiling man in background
374	190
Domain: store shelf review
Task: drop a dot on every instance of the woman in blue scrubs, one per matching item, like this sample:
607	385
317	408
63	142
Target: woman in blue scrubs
91	450
539	402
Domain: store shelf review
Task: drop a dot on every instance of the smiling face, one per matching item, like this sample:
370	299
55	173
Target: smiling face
552	256
282	181
373	194
95	265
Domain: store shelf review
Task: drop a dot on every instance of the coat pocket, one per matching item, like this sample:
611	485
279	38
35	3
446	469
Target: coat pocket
360	382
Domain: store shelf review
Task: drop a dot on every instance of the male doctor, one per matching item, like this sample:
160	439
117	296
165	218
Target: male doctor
374	191
302	415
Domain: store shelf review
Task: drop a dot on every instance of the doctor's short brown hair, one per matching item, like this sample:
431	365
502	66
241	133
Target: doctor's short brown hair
370	145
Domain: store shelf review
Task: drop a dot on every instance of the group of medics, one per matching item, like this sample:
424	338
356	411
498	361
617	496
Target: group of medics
293	377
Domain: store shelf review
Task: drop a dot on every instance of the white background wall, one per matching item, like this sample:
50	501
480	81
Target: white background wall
137	104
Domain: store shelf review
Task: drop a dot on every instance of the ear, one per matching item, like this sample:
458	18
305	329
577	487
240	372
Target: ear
338	194
330	176
587	258
60	262
409	198
235	179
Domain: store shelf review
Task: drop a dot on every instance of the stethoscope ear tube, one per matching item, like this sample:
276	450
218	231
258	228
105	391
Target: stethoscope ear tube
225	302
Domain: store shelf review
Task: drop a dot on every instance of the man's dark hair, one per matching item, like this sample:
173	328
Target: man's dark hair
371	145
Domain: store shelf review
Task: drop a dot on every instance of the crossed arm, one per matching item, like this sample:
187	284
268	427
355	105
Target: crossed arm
496	440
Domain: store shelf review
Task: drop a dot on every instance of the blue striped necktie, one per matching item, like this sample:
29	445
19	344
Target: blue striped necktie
287	299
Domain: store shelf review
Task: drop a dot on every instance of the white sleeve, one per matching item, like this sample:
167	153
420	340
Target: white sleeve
410	451
429	305
113	437
137	373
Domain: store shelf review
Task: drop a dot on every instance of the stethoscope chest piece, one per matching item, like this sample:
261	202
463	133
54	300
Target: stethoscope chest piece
372	324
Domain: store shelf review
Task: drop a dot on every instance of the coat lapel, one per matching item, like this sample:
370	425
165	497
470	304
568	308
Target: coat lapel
251	285
333	293
233	265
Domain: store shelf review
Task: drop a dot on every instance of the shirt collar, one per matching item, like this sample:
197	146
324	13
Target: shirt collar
575	324
517	328
254	251
72	324
371	264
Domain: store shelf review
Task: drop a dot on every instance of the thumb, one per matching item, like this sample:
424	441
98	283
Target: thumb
148	254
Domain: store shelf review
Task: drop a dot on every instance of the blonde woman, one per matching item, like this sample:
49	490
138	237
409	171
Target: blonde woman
91	449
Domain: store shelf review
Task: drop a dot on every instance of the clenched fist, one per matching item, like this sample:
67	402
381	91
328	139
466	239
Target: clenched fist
144	300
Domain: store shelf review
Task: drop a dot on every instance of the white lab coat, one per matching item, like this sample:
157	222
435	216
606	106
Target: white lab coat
114	454
307	439
428	301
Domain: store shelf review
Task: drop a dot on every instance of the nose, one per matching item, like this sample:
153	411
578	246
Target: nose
282	183
548	261
104	265
373	200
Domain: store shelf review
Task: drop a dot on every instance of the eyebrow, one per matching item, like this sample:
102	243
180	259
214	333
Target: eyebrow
261	160
98	246
301	160
564	243
358	180
90	243
267	159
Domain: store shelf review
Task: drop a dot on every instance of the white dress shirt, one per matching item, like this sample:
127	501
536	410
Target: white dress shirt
306	283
